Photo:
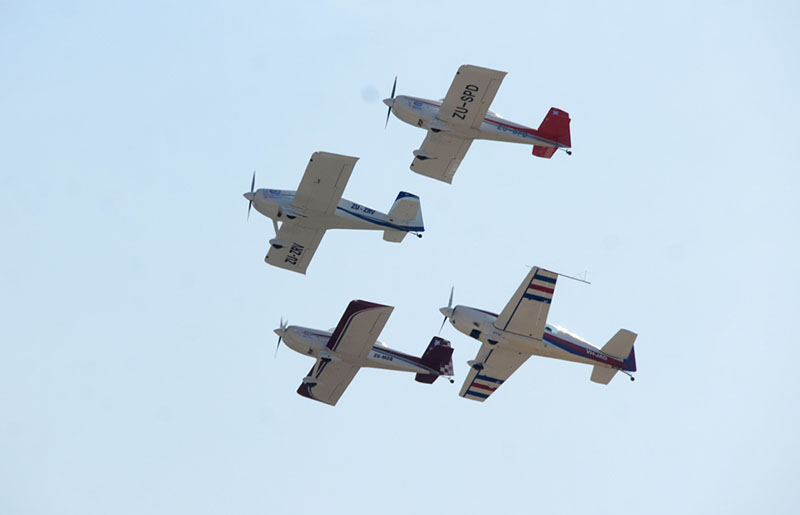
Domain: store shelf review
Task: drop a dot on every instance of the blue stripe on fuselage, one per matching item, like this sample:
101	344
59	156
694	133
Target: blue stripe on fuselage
553	340
581	351
382	222
406	360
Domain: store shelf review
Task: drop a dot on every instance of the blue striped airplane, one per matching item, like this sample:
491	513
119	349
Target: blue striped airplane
521	331
318	206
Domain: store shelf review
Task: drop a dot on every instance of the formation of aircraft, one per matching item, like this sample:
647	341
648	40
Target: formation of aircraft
521	331
352	345
463	116
508	339
317	206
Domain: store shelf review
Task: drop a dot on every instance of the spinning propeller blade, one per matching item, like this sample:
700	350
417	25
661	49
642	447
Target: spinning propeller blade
252	185
394	87
280	336
449	307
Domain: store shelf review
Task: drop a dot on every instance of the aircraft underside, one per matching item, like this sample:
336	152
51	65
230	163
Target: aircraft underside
543	348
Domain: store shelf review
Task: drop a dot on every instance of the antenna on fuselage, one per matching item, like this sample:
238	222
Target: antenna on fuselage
574	278
581	277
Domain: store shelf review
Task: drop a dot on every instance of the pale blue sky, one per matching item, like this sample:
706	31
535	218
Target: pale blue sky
136	345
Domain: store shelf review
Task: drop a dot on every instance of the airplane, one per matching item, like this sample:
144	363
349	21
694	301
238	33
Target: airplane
317	206
341	352
463	116
520	331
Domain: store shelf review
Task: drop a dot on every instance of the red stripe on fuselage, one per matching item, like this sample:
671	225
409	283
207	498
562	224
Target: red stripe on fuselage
522	128
584	352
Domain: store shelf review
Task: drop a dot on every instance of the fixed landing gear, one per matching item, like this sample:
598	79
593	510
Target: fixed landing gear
628	374
451	380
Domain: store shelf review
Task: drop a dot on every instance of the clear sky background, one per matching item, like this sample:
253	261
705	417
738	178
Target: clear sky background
136	346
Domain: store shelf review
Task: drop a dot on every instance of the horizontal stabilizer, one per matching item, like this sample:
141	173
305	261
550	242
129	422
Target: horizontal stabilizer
393	235
542	151
603	375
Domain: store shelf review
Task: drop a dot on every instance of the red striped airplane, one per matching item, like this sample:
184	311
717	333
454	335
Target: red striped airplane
463	116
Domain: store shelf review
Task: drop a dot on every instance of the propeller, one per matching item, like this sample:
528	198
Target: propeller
448	311
251	194
280	332
391	100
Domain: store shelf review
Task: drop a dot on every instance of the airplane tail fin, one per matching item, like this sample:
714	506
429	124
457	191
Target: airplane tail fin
406	212
554	127
438	356
620	347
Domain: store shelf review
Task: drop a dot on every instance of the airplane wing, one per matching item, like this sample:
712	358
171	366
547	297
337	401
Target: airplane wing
492	367
440	155
350	342
526	312
323	182
297	247
358	329
470	96
327	381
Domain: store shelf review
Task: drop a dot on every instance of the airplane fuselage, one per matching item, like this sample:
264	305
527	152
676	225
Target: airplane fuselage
313	342
556	342
277	205
421	112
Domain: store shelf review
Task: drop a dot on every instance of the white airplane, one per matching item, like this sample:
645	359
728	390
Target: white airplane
353	344
464	115
520	331
317	206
